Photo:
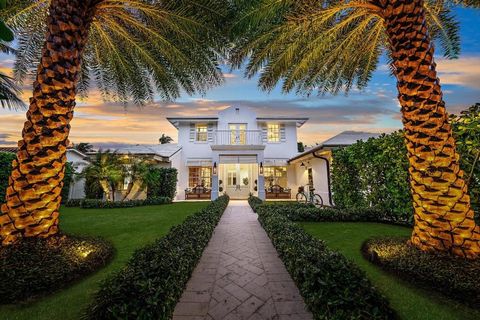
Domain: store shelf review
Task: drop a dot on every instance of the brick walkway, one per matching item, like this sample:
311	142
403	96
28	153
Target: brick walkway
240	275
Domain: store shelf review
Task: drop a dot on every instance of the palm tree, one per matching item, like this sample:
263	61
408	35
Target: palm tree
165	139
108	170
84	147
331	46
137	170
9	91
129	47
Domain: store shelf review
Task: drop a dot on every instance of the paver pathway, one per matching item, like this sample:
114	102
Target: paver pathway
240	275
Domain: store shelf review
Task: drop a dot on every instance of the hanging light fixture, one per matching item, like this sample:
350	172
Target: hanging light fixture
214	168
302	165
261	168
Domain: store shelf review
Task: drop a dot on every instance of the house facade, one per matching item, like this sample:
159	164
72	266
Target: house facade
236	152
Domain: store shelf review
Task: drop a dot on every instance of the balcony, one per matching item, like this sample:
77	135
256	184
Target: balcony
237	139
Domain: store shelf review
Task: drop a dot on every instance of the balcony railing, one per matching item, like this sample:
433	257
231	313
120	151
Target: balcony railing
237	137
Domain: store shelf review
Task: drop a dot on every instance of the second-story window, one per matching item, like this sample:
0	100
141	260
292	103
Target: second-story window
273	132
201	132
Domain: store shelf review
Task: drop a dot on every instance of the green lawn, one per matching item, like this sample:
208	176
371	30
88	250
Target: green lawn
411	303
128	229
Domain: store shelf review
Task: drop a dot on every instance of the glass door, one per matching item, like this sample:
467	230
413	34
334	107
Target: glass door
238	181
238	133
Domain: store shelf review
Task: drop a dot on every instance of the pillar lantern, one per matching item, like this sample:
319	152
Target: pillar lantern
261	169
214	168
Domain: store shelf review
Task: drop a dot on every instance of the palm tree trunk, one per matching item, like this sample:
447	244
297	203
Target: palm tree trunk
443	215
33	194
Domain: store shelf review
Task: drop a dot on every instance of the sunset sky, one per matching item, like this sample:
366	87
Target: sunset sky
375	109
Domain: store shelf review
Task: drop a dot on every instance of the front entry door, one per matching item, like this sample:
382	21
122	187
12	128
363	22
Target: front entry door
238	181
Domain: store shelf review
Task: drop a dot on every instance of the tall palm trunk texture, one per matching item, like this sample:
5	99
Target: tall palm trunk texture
33	193
443	215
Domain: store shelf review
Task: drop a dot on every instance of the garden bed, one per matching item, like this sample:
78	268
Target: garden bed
454	277
151	283
332	286
35	267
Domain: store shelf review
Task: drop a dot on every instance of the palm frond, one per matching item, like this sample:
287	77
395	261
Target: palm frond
9	93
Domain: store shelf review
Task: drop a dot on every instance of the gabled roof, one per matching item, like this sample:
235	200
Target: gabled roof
347	138
342	139
9	149
176	120
162	150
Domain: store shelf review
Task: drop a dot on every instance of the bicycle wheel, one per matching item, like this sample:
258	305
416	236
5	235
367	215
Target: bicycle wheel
301	197
317	200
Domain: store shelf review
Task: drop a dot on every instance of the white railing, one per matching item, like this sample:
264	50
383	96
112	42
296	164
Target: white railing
237	137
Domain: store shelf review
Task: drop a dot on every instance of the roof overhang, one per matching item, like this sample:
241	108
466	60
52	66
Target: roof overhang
320	150
176	121
298	121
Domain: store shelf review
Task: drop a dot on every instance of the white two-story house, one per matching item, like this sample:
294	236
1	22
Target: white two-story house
237	153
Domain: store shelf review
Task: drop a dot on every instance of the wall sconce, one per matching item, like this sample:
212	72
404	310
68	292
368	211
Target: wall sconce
214	168
261	168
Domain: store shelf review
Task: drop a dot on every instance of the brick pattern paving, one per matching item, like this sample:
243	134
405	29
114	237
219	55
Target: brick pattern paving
240	275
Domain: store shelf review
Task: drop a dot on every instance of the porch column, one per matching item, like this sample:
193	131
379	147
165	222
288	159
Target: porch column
215	162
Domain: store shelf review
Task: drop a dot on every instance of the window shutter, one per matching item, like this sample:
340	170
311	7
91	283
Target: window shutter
210	132
192	132
264	133
283	137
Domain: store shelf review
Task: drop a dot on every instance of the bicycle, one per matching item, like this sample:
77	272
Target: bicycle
311	197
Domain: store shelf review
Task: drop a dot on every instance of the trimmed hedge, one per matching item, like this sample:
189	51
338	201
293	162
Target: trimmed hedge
35	267
101	204
308	212
161	182
452	276
155	276
332	286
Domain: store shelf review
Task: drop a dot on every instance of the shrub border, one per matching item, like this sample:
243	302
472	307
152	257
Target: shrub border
153	280
467	297
101	204
332	286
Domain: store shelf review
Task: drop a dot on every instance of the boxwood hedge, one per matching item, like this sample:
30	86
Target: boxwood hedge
35	267
155	276
452	276
101	204
332	286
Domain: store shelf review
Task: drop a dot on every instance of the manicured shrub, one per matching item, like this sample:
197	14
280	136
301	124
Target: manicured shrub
74	203
451	276
6	159
35	267
308	212
254	202
155	276
101	204
332	286
161	182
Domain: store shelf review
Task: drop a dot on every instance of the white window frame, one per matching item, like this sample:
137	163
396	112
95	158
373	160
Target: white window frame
198	132
273	137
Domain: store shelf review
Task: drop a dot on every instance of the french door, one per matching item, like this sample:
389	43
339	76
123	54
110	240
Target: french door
238	133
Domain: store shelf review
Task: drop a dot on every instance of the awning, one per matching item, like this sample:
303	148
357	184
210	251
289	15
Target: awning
238	159
275	162
199	162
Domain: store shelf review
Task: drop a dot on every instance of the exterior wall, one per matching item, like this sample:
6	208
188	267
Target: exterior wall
77	187
319	173
286	149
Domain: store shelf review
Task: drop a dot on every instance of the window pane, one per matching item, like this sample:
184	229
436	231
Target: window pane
273	132
275	176
201	132
199	176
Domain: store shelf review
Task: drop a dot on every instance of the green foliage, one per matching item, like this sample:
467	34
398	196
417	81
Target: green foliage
254	202
155	276
36	266
100	204
93	190
308	212
164	139
84	147
332	286
161	182
466	128
324	46
456	278
373	173
6	159
300	147
134	48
